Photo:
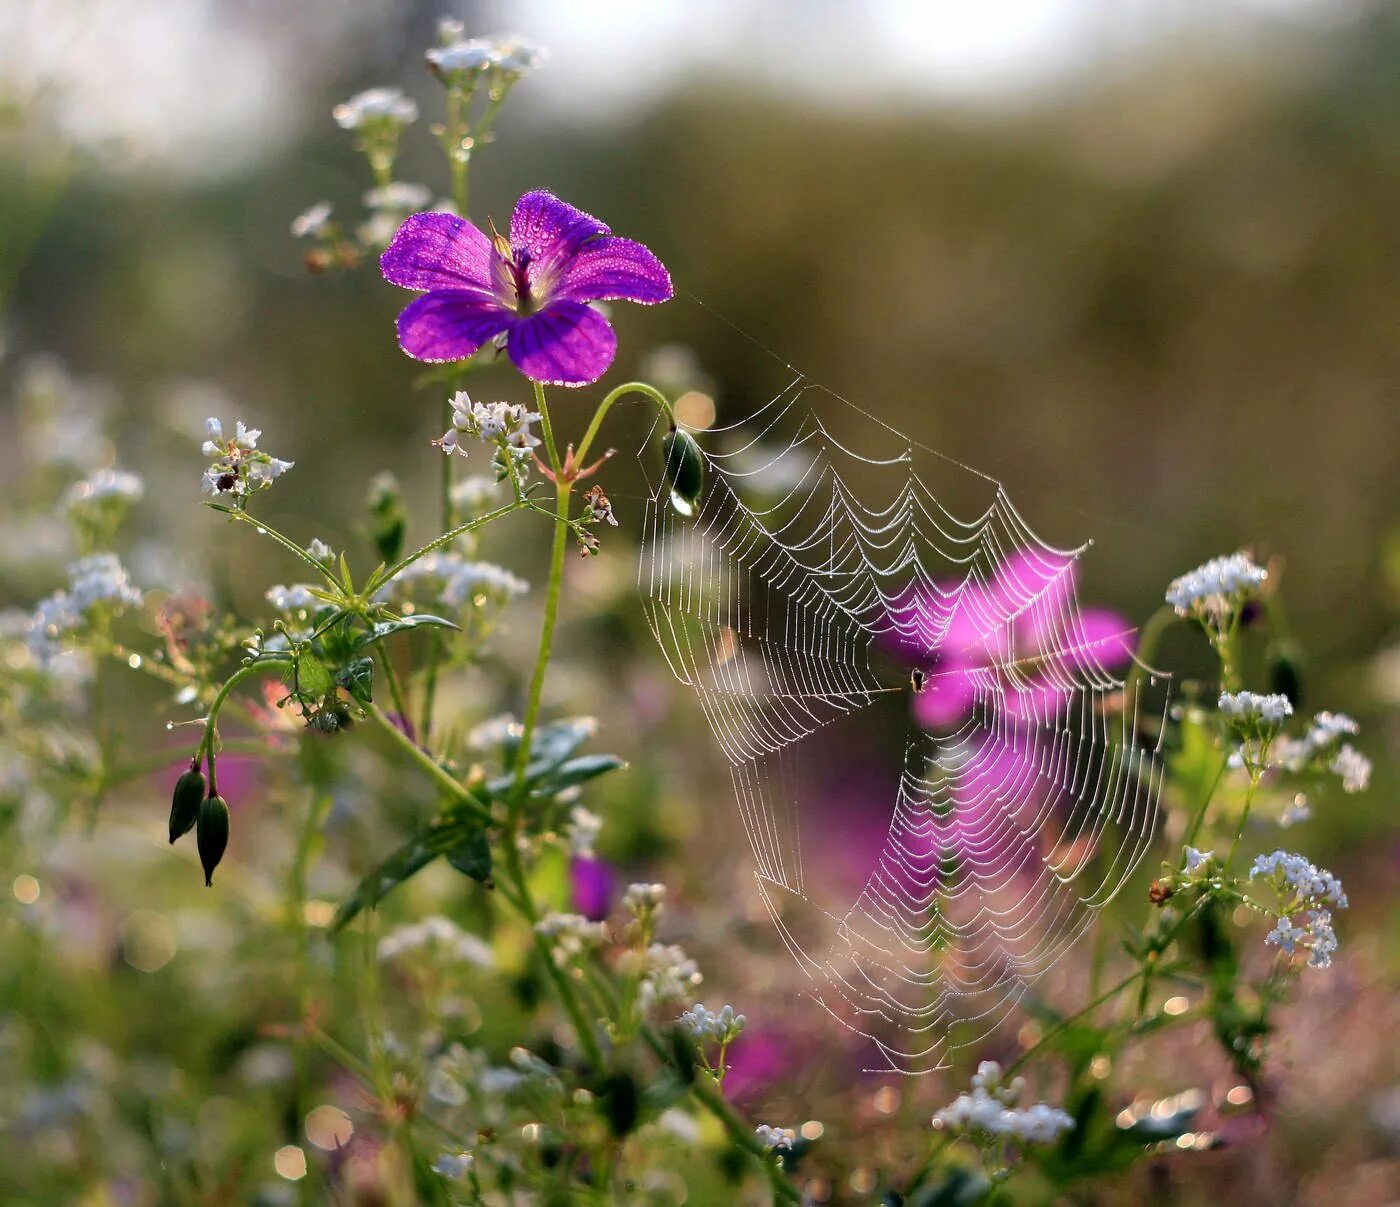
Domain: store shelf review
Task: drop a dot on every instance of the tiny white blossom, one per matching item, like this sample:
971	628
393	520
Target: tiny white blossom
584	826
295	598
398	195
702	1024
1353	767
386	105
775	1139
105	484
1309	884
1195	860
440	937
571	935
312	221
1213	591
1252	710
990	1111
644	898
319	550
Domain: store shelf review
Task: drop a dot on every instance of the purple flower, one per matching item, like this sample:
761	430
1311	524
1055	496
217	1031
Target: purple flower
533	288
1025	613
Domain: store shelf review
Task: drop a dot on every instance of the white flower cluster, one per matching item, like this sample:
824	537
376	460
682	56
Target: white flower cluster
1308	883
584	826
97	579
376	106
320	551
1253	712
295	598
775	1139
313	222
642	900
1309	894
460	582
990	1111
571	935
400	196
474	493
505	425
105	485
238	467
1315	936
1323	747
460	57
441	937
702	1024
667	974
1213	591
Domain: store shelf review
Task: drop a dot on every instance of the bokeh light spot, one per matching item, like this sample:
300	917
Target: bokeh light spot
329	1127
25	889
290	1162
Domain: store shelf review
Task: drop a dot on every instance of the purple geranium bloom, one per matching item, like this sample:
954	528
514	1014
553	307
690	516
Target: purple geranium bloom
533	288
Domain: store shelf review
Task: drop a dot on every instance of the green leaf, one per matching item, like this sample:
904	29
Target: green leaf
312	676
357	678
387	628
446	834
542	779
473	857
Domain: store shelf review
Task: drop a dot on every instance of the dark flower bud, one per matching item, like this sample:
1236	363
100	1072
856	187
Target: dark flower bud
684	470
184	804
213	834
388	519
1160	891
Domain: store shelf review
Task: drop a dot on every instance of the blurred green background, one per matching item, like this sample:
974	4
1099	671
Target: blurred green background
1142	269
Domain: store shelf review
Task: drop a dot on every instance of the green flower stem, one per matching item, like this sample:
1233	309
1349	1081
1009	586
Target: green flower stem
382	577
206	743
445	780
613	396
1244	818
551	604
568	996
1194	829
1108	994
265	529
712	1098
395	693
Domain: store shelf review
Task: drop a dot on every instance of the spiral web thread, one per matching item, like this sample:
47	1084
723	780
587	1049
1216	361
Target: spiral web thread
1006	833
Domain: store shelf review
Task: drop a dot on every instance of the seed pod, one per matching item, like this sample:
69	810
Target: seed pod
683	469
213	834
184	804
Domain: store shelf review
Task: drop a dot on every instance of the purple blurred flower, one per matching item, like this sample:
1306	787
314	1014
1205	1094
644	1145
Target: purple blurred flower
1027	611
533	288
594	885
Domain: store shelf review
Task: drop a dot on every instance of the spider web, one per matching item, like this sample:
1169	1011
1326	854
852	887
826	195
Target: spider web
817	586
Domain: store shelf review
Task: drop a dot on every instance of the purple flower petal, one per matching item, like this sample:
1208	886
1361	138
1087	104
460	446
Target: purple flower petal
565	344
946	699
450	324
549	230
439	251
1099	638
614	269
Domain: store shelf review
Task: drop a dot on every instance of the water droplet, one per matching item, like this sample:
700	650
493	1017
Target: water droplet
169	725
134	661
261	530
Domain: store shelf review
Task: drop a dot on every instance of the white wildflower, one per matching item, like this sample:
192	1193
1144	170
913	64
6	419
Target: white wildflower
1213	591
295	598
376	106
398	195
1353	767
1315	936
474	493
1308	884
584	826
1253	712
571	935
990	1112
668	974
1196	860
775	1139
239	468
314	221
320	551
103	485
440	937
643	899
702	1024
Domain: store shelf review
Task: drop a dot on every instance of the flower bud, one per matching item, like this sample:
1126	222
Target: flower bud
213	834
184	805
684	469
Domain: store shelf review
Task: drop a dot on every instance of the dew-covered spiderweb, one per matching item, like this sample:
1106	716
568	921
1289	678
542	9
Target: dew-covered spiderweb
816	583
